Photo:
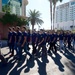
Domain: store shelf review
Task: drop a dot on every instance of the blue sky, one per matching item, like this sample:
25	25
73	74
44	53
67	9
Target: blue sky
43	7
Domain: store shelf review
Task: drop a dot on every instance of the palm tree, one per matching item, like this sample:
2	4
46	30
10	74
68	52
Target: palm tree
34	18
51	12
54	6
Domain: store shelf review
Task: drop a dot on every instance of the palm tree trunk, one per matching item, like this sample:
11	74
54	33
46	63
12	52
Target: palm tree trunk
54	15
32	27
51	12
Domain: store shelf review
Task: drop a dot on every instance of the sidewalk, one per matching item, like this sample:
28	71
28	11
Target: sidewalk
53	64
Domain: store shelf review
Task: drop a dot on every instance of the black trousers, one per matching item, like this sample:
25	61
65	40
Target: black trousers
52	44
10	46
2	59
44	50
12	49
34	48
28	46
69	44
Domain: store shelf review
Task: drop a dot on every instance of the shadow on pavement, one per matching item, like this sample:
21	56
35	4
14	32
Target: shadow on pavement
5	69
42	65
17	71
10	68
13	65
71	63
69	55
29	64
57	61
14	68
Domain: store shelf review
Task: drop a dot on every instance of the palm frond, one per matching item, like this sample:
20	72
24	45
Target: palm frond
34	17
39	21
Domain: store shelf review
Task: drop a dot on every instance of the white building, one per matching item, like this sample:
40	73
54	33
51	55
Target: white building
65	16
16	7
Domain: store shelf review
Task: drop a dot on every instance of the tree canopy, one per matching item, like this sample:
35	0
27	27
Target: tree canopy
13	19
34	18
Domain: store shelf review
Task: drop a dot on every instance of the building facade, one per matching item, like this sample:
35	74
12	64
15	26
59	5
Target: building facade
65	16
16	6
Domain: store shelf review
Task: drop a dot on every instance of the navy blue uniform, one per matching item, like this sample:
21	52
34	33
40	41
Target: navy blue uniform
53	40
9	41
49	38
28	37
42	36
18	37
34	37
19	33
13	41
69	40
69	37
14	34
61	36
28	40
45	36
24	34
65	37
42	44
9	36
38	38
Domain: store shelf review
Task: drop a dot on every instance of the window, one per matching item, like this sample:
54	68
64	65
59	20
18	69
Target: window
9	5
